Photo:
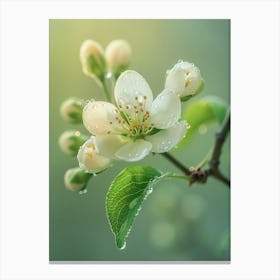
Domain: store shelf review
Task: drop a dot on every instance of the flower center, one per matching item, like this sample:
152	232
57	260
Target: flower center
135	119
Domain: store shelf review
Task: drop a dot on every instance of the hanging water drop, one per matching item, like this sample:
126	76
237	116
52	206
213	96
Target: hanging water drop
83	191
123	246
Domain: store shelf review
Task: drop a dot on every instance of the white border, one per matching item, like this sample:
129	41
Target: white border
255	138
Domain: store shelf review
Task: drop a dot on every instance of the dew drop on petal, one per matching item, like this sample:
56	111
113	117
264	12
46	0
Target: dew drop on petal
108	75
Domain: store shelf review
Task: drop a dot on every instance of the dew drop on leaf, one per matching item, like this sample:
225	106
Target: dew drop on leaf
133	203
123	246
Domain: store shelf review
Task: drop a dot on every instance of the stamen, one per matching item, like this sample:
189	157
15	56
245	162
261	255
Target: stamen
91	146
89	155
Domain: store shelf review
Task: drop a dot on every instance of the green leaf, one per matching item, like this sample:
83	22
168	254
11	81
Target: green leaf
204	111
125	197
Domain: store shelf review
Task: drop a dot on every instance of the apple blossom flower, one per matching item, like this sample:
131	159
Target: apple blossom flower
90	160
138	124
184	79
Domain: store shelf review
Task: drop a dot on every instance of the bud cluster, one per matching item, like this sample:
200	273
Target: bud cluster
96	62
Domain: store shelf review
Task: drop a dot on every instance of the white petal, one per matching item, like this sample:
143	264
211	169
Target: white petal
134	150
166	109
89	160
108	145
184	79
132	89
102	118
166	139
175	80
192	79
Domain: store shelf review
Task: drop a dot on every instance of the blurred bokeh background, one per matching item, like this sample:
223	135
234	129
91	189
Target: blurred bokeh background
176	223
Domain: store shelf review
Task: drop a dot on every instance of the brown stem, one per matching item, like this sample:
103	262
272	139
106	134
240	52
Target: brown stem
177	163
198	175
215	159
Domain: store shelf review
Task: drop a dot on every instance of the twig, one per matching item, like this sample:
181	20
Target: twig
214	162
177	163
199	175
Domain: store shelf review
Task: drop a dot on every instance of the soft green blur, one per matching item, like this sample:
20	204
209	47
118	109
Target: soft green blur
176	223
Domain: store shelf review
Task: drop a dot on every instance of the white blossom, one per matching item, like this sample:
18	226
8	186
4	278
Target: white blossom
138	124
184	79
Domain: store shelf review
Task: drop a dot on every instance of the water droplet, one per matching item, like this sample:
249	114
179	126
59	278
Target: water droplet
133	203
83	191
109	75
123	246
169	142
180	61
149	191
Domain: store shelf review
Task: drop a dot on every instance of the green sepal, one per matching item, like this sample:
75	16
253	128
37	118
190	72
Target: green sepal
97	67
188	97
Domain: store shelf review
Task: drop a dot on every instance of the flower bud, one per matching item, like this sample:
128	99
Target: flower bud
70	141
92	59
184	79
118	55
76	179
71	110
90	160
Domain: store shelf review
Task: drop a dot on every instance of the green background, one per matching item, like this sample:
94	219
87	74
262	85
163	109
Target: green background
176	223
